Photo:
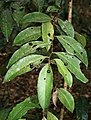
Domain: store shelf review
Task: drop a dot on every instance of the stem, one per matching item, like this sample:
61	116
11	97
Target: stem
65	84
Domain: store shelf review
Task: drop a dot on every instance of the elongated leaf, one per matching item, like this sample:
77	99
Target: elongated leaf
6	23
66	98
52	9
45	83
22	64
72	63
82	107
73	47
29	34
66	27
21	109
80	38
4	113
35	17
39	4
50	116
64	71
47	33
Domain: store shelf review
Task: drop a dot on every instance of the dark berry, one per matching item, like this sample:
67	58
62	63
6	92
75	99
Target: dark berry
31	65
48	71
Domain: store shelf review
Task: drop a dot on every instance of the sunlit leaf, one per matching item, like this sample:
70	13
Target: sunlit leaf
6	23
21	109
82	107
47	33
64	71
73	47
50	116
67	27
29	34
72	63
52	9
45	83
32	60
80	38
66	98
35	17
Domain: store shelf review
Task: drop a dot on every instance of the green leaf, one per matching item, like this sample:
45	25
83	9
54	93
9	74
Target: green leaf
27	35
6	23
66	98
52	9
50	116
45	83
21	109
39	4
73	47
64	71
67	27
35	17
82	107
22	64
4	113
80	38
47	33
72	63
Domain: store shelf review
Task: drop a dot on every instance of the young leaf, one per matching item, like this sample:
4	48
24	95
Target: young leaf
73	47
80	38
72	63
50	116
47	33
66	98
21	109
35	17
64	71
22	64
6	23
45	83
67	27
29	34
82	107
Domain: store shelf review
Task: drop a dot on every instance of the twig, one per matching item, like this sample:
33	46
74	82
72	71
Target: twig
65	84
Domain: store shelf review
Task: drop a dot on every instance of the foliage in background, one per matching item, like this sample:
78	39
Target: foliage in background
39	28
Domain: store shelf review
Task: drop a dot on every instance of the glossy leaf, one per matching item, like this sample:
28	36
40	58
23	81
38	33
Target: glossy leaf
21	109
82	107
35	17
66	98
72	63
22	64
27	35
4	113
39	4
45	83
6	23
67	27
80	38
73	47
47	33
50	116
64	71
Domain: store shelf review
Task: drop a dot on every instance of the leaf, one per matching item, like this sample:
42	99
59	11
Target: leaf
45	83
50	116
4	113
52	9
6	23
35	17
72	63
64	71
21	109
39	4
82	107
27	35
44	118
67	27
73	47
55	98
16	68
66	98
47	33
80	38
